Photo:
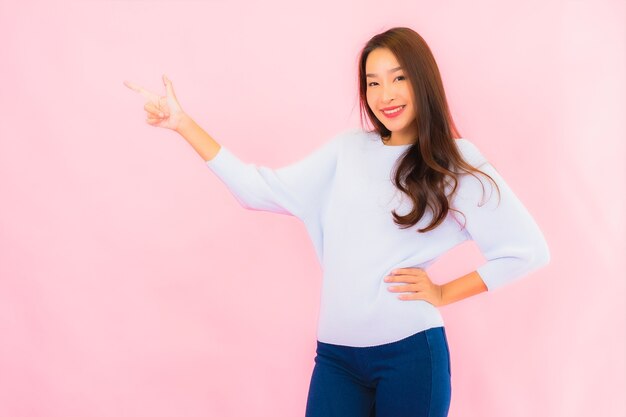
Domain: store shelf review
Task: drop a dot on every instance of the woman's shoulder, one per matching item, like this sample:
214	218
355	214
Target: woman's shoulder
470	152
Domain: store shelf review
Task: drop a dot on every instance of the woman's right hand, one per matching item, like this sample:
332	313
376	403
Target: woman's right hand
163	111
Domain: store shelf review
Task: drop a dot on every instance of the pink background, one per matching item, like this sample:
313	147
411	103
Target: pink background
133	284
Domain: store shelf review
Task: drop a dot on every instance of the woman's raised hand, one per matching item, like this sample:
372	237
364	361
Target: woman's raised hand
163	111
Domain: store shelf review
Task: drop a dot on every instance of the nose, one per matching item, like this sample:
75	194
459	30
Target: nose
389	93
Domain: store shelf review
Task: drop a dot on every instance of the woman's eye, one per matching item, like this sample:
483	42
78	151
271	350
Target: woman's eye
373	82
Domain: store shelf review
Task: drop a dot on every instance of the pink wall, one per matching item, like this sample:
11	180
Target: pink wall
133	284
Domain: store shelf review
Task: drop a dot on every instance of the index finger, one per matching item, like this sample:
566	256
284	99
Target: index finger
147	94
406	271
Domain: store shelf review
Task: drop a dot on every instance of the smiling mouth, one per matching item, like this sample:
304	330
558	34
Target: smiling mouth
393	111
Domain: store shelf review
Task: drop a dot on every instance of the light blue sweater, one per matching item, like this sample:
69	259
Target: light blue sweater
343	193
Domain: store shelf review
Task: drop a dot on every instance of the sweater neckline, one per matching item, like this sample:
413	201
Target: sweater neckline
383	145
390	148
406	145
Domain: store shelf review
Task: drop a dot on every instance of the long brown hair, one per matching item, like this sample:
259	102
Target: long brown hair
433	159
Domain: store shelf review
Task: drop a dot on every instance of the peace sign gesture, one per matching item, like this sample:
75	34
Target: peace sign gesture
163	111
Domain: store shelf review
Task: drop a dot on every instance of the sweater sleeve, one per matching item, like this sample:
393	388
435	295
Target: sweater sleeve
294	190
504	230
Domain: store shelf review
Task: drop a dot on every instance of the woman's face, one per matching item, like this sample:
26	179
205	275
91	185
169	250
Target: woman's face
388	88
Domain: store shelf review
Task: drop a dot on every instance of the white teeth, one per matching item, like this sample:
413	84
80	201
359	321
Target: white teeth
393	111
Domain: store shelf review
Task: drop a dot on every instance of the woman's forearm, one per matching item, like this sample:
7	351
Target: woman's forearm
463	287
200	140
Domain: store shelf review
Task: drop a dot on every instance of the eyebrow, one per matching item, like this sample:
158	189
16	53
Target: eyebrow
390	71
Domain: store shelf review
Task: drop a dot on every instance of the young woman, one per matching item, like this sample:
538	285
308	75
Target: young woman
380	206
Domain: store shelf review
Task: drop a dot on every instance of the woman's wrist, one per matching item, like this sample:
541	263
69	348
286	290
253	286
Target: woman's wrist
197	137
183	125
462	287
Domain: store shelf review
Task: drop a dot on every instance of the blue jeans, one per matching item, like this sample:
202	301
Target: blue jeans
406	378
